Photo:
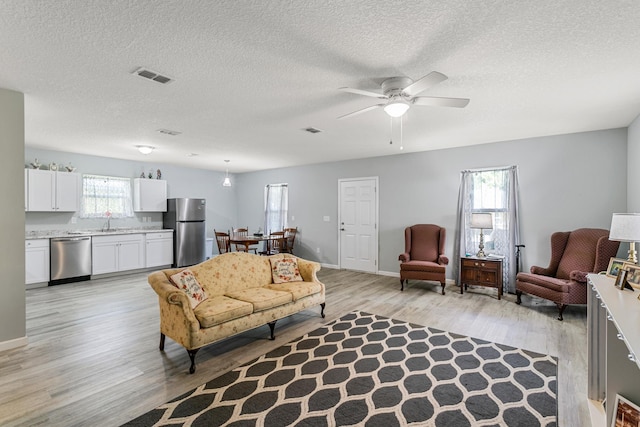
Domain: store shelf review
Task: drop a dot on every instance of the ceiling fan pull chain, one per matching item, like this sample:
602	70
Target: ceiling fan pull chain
391	137
401	146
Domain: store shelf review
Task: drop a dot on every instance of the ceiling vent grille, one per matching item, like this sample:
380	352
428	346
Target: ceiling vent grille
152	75
313	130
169	132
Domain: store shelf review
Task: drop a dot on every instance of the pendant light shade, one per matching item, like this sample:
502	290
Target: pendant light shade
227	181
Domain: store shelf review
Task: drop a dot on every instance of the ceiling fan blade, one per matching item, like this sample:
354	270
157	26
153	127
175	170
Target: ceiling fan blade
441	102
363	92
431	79
364	110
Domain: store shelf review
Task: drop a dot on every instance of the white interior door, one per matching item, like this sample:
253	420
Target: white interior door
358	221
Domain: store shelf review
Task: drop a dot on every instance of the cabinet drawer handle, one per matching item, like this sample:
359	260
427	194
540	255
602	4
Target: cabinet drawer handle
482	264
476	264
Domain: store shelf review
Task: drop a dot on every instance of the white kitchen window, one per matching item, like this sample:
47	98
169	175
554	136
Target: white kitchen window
106	196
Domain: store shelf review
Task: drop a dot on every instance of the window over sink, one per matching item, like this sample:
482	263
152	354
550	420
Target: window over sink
106	196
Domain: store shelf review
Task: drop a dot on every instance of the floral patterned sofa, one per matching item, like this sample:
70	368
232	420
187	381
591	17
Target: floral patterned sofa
232	293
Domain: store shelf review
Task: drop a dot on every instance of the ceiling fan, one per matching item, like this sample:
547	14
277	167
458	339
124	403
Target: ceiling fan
400	93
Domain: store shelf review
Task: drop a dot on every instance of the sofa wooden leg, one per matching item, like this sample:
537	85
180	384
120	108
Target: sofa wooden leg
442	283
322	310
402	284
518	297
561	308
192	356
161	341
272	326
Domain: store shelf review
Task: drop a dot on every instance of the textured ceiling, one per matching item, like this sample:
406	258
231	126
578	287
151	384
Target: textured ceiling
251	75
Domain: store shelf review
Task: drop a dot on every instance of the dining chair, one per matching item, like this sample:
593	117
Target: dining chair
243	247
222	239
275	244
290	238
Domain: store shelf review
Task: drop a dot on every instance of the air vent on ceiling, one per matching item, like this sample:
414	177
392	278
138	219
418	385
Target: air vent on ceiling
169	132
313	130
152	75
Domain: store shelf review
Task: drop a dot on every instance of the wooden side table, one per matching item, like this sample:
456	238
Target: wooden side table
481	272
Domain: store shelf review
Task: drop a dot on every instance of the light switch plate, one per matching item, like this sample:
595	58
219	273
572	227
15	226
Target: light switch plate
326	218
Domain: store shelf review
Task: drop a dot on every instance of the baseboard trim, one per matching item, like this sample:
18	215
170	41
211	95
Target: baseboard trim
15	343
331	266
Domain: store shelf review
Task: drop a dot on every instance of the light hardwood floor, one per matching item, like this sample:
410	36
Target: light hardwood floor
93	358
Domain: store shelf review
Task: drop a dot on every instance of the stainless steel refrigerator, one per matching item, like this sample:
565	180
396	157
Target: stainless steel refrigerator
187	218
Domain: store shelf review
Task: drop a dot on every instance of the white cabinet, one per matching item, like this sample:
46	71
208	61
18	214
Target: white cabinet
159	249
52	191
36	261
117	253
149	195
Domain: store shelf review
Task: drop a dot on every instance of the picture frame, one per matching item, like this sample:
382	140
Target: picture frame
621	278
633	276
627	413
615	264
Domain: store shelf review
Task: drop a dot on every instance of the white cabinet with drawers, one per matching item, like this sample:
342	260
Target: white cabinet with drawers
159	249
117	253
36	261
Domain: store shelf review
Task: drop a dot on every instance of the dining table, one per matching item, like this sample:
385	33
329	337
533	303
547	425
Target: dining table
253	239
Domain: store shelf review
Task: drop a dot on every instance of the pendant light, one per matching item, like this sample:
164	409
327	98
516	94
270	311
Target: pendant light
227	181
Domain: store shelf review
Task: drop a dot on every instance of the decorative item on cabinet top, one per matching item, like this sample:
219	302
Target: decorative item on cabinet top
35	164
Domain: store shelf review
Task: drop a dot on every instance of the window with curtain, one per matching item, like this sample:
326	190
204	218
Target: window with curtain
492	191
104	196
276	207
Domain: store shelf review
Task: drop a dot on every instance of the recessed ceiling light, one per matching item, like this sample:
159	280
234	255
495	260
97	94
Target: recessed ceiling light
145	149
169	132
313	130
152	75
192	154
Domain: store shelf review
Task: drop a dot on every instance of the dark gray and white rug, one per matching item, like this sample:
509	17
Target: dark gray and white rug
369	370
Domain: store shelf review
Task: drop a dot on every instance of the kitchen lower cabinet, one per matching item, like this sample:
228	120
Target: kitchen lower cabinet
36	261
117	253
159	249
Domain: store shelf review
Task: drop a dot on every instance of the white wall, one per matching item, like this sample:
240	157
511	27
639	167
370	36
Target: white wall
12	287
566	182
633	175
181	182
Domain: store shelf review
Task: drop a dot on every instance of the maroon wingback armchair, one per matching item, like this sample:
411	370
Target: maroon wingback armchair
423	257
573	255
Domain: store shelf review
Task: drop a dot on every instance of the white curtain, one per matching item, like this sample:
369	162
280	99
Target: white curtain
494	191
104	196
276	207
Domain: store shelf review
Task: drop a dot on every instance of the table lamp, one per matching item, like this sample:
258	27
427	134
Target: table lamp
625	227
483	221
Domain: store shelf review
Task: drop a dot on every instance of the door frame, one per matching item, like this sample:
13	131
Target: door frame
377	219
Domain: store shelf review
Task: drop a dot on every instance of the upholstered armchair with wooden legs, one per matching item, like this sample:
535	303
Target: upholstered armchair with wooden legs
574	254
423	257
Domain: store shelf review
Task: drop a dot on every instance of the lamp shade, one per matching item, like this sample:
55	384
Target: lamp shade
481	220
625	227
396	108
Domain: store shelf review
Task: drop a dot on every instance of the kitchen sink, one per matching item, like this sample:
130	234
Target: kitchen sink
78	233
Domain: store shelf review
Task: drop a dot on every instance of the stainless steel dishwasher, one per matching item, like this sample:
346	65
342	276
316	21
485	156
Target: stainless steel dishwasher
70	259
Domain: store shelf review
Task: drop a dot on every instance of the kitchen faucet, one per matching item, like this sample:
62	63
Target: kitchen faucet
107	225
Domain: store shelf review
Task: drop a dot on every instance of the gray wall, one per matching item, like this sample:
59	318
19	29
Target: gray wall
12	288
633	175
181	182
566	182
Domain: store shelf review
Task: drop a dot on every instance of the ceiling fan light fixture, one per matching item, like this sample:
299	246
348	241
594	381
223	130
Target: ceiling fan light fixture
145	149
396	108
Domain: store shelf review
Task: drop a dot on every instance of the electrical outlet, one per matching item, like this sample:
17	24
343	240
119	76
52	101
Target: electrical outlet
326	218
74	220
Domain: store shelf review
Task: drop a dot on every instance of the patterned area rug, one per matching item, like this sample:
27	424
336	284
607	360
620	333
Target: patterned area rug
369	370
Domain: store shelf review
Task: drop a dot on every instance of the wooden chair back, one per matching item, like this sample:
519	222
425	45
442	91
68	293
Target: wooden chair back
290	238
222	240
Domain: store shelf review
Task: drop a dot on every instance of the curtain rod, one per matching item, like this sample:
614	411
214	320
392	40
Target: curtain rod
490	169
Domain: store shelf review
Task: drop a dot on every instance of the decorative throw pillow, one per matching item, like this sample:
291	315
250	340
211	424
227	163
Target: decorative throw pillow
285	270
186	281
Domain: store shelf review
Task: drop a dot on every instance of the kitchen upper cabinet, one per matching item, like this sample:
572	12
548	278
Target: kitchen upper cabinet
52	191
159	249
149	195
36	261
122	252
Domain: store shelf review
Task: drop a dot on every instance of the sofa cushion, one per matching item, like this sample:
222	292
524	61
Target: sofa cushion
186	281
262	298
427	266
219	309
298	290
285	270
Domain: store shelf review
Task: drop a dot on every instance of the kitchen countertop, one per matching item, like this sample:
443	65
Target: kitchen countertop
52	234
